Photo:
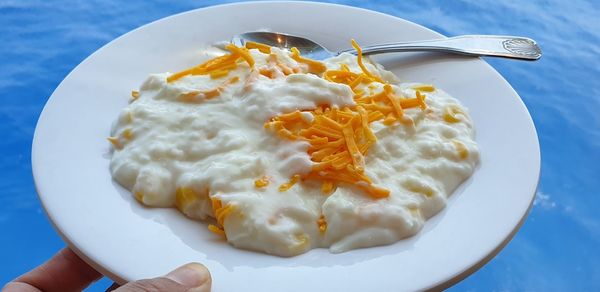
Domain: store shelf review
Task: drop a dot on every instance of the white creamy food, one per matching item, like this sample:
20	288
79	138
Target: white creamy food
199	143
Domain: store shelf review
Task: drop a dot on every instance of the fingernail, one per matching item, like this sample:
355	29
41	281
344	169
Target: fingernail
191	275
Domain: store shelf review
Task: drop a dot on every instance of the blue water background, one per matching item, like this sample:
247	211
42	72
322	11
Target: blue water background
557	248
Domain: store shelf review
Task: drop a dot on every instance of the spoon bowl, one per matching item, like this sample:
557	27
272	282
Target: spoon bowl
285	41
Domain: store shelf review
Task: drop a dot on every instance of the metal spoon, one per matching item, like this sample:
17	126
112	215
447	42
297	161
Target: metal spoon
472	45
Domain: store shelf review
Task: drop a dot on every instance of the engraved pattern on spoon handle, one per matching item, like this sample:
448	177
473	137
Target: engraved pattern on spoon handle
473	45
522	46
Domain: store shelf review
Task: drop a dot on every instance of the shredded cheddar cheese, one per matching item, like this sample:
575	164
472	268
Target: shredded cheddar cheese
420	99
322	224
315	67
139	196
261	182
127	134
218	74
340	138
184	196
265	49
115	142
220	212
328	187
359	58
424	87
393	101
243	52
286	186
135	95
219	66
463	153
450	114
216	229
275	68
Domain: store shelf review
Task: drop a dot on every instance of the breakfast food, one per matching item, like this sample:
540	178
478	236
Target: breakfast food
289	154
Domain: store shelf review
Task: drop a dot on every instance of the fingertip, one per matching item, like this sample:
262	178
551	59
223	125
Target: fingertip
192	275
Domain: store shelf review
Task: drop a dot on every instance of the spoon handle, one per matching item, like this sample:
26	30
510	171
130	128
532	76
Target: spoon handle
473	45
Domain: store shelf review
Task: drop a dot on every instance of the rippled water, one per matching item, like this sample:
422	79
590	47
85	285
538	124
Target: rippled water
557	248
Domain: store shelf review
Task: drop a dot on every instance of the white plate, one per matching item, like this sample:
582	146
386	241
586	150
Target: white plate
125	241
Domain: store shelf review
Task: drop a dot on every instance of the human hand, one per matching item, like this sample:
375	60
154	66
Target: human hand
67	272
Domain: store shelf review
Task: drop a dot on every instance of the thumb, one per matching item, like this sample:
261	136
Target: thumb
192	277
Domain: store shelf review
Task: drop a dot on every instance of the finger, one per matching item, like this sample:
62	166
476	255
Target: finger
65	271
192	277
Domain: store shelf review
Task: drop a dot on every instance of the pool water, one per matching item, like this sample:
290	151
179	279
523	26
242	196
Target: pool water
555	250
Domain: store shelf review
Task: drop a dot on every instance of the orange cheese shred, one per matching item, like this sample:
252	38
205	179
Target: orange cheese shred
357	158
265	49
451	114
225	62
179	75
359	58
216	229
286	186
218	74
313	66
135	95
261	182
356	81
328	187
184	196
421	99
322	224
243	52
394	101
376	192
127	134
462	150
267	73
291	117
364	119
389	120
220	212
115	142
424	87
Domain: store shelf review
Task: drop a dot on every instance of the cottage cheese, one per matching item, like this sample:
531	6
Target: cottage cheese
176	147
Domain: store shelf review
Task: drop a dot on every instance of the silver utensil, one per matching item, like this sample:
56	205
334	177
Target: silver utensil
472	45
